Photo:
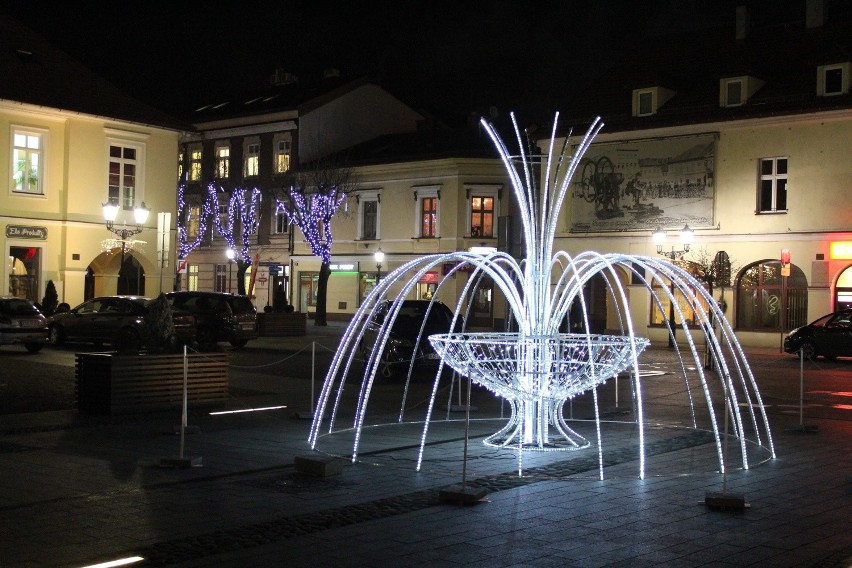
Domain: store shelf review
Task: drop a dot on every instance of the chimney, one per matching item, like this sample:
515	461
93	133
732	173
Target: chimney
814	14
742	22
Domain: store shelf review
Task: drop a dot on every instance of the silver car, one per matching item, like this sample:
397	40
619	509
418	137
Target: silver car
21	323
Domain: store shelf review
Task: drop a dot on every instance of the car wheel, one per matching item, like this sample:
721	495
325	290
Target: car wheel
56	336
809	350
34	347
238	342
127	341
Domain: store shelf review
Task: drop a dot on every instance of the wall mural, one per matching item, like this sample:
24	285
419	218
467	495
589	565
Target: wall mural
643	184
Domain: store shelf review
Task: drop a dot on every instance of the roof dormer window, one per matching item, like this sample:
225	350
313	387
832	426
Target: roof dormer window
736	91
833	79
648	101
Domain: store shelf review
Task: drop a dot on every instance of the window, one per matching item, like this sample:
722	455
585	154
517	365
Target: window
660	317
427	219
223	161
282	223
734	93
481	216
772	192
252	164
646	103
221	282
369	207
180	166
192	277
195	164
833	79
760	297
122	175
27	148
282	156
193	222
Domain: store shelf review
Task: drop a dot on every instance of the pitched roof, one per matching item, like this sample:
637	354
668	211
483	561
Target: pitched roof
35	72
784	55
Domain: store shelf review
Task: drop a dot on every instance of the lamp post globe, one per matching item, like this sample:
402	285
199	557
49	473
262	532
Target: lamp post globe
379	257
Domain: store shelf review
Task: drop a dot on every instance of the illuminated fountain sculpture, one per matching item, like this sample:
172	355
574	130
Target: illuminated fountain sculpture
535	368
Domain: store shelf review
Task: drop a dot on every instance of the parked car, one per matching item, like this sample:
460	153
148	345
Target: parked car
219	316
21	323
113	320
402	338
829	336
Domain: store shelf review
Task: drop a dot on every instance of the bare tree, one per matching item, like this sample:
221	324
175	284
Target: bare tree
310	202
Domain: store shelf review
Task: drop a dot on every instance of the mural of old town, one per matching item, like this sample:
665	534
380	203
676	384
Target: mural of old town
644	184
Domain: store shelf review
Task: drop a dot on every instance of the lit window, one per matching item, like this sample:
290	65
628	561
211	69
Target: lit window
428	217
223	161
27	148
195	164
772	189
661	316
252	159
193	221
481	216
192	278
122	175
282	156
180	166
760	291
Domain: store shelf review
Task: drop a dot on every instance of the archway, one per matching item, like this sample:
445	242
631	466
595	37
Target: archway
107	275
766	301
843	290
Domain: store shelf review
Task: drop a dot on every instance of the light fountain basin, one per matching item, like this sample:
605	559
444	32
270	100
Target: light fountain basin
538	367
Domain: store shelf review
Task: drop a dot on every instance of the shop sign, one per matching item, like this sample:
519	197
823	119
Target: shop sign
25	232
841	250
430	277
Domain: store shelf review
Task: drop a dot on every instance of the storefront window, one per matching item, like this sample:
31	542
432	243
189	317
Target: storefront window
308	286
661	316
24	266
761	291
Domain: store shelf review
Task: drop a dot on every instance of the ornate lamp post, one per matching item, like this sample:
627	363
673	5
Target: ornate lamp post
686	235
140	214
379	256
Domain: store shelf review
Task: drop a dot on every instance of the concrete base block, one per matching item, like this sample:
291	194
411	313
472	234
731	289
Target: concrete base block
462	495
318	466
181	462
725	501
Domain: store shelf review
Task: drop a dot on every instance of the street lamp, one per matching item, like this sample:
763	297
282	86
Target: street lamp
140	214
231	254
674	254
379	256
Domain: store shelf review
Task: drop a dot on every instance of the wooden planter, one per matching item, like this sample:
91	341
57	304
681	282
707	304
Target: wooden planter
110	383
281	324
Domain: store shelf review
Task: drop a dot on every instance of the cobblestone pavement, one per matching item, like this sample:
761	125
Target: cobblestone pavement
78	490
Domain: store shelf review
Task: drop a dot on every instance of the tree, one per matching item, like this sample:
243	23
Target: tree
310	203
158	327
238	226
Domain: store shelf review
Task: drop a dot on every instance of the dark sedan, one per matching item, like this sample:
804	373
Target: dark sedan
830	336
22	323
402	344
112	320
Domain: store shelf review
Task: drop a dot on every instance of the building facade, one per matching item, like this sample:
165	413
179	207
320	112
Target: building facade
73	142
742	134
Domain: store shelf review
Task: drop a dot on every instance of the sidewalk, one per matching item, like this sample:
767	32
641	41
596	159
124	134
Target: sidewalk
78	490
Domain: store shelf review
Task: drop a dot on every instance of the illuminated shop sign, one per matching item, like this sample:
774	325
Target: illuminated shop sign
841	250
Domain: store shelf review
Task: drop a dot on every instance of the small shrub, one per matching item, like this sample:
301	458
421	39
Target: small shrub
159	333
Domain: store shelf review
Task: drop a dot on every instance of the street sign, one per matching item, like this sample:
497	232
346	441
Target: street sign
181	266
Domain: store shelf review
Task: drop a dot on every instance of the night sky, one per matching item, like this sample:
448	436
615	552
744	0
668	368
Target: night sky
446	57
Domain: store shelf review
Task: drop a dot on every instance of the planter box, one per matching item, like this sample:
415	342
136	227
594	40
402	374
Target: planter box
109	383
281	324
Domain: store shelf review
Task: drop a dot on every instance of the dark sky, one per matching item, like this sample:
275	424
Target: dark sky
444	56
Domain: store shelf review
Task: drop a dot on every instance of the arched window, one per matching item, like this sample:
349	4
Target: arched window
760	297
660	318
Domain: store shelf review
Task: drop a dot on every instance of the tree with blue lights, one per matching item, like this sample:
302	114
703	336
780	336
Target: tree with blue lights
310	203
238	225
